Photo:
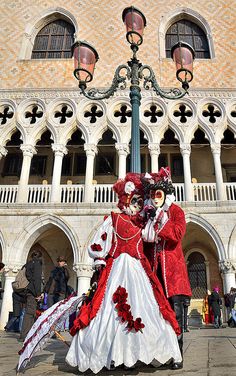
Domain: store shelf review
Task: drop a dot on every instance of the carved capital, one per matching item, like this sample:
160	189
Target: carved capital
216	148
59	149
185	149
90	149
83	270
227	266
10	270
28	150
154	149
122	149
3	151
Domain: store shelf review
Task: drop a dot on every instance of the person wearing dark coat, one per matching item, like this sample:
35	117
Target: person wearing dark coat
216	303
33	293
18	300
57	284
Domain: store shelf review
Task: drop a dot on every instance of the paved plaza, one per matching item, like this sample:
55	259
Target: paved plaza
207	352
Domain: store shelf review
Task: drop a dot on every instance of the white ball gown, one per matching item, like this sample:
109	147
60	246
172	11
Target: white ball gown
103	335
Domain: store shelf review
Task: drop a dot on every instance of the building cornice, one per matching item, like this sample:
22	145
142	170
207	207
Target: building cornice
24	93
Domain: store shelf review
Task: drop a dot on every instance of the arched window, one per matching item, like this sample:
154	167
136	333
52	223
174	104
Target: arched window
54	41
197	275
187	31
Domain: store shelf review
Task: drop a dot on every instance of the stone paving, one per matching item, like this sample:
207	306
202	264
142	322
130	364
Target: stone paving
207	352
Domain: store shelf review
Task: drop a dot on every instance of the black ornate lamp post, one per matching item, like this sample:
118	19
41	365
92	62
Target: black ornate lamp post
85	58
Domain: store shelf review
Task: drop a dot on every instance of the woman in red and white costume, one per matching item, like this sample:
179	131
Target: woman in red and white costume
129	319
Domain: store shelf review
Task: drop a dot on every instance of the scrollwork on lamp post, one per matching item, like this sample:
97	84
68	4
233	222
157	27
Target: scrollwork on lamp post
85	58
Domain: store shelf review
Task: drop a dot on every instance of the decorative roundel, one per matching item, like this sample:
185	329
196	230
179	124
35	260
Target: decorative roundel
62	113
153	113
122	112
232	113
93	112
182	113
211	112
6	113
33	114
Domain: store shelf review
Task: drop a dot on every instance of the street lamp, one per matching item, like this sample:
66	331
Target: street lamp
85	58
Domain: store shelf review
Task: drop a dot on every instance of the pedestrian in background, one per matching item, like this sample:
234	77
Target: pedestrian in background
216	303
33	292
206	309
18	300
232	298
57	284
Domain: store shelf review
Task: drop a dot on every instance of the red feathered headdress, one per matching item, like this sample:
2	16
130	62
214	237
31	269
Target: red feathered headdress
160	180
162	175
127	187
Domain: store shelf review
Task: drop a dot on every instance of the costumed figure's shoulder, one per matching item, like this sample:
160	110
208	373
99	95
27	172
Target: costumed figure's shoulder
177	209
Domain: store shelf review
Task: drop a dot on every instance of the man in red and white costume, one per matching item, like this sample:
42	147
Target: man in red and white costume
163	235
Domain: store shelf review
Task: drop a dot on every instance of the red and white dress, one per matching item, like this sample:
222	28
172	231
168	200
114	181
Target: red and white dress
100	336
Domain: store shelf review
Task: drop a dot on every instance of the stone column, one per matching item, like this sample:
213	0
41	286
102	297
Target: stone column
154	150
84	273
185	150
3	152
221	193
228	270
123	151
28	152
91	151
208	275
9	276
59	152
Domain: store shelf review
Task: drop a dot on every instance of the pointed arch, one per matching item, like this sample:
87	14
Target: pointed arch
37	134
194	218
31	232
232	244
38	23
68	133
191	15
177	132
9	131
147	132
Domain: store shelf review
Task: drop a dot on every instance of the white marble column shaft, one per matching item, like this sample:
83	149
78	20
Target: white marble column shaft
123	151
185	150
221	193
59	152
7	298
154	150
28	152
91	151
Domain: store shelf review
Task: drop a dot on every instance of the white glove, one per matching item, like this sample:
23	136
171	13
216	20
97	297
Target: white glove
168	201
148	233
99	263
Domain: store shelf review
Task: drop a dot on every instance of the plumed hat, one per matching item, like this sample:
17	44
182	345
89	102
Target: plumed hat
127	187
160	180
